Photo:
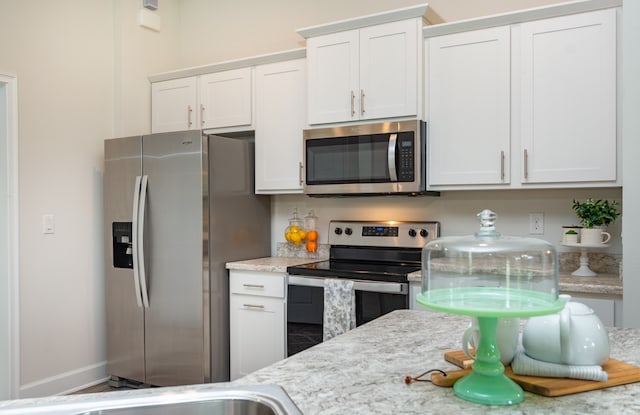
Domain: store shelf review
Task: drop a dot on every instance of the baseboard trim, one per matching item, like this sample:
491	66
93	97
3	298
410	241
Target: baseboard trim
66	382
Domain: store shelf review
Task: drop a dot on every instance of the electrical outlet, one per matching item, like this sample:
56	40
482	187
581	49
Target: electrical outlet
536	223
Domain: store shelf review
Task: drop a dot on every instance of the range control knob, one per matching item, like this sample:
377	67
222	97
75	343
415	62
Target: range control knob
412	233
348	231
424	233
338	231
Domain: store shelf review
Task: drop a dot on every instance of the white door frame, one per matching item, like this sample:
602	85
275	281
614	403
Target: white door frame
10	364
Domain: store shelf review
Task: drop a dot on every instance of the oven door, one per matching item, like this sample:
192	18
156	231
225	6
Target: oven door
365	159
305	307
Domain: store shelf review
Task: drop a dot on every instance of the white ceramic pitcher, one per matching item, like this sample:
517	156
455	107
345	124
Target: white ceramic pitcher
574	336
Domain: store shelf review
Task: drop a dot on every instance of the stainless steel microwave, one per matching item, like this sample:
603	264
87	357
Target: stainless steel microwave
367	159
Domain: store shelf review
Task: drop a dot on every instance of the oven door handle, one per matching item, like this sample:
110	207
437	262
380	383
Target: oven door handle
358	285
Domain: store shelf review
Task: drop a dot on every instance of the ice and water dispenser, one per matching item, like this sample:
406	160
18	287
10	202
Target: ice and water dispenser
122	249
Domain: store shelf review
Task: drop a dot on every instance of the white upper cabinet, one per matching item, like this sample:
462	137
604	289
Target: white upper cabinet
280	119
568	98
226	99
366	73
333	77
524	105
174	105
220	100
468	102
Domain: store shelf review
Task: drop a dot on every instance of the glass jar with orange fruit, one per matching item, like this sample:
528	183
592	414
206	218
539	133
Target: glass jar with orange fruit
311	226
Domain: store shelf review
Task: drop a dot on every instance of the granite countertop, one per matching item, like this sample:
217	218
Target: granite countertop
363	371
603	284
269	264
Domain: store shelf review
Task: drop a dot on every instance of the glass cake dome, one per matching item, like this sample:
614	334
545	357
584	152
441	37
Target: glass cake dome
487	274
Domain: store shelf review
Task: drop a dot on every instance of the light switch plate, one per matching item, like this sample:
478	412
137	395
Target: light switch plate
48	224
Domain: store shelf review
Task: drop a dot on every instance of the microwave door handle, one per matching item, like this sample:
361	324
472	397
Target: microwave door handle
391	157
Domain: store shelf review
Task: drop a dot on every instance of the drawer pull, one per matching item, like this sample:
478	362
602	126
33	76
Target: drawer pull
253	285
258	306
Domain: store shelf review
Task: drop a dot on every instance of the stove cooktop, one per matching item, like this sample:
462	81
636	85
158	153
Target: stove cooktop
369	271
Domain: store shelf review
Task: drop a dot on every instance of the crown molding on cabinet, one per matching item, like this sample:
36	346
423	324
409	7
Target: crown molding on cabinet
422	10
520	16
231	64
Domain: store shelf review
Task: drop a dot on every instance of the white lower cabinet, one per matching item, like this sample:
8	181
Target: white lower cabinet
257	318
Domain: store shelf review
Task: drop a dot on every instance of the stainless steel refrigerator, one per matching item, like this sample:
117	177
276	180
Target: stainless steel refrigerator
178	206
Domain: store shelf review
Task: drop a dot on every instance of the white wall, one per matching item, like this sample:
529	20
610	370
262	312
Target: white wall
82	67
213	31
61	55
631	145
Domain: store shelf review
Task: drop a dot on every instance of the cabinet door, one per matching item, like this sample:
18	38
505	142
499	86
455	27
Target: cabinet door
389	70
280	119
332	64
568	98
257	334
225	99
174	105
468	107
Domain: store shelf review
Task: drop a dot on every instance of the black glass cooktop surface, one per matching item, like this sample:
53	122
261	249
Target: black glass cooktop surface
359	270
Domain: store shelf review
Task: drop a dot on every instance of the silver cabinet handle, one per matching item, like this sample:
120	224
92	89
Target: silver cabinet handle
253	285
189	111
353	104
201	114
362	102
502	165
258	306
300	172
526	164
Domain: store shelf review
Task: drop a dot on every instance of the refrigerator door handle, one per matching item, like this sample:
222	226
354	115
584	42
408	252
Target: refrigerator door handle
134	240
141	210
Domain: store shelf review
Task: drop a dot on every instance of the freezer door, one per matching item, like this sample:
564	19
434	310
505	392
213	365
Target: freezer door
125	320
177	280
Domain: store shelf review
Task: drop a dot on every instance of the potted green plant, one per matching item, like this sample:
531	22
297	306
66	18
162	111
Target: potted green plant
595	214
570	237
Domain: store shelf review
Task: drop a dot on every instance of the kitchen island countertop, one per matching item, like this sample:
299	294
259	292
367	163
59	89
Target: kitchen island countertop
363	372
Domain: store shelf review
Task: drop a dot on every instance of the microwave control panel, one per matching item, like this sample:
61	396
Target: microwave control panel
406	154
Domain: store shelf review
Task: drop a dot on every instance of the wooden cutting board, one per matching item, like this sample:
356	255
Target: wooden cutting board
620	373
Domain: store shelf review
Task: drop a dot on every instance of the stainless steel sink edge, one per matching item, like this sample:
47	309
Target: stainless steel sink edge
272	396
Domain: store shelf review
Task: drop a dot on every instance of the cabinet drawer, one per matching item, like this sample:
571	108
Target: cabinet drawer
257	283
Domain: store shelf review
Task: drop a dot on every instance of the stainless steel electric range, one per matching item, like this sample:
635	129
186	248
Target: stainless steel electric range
376	256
